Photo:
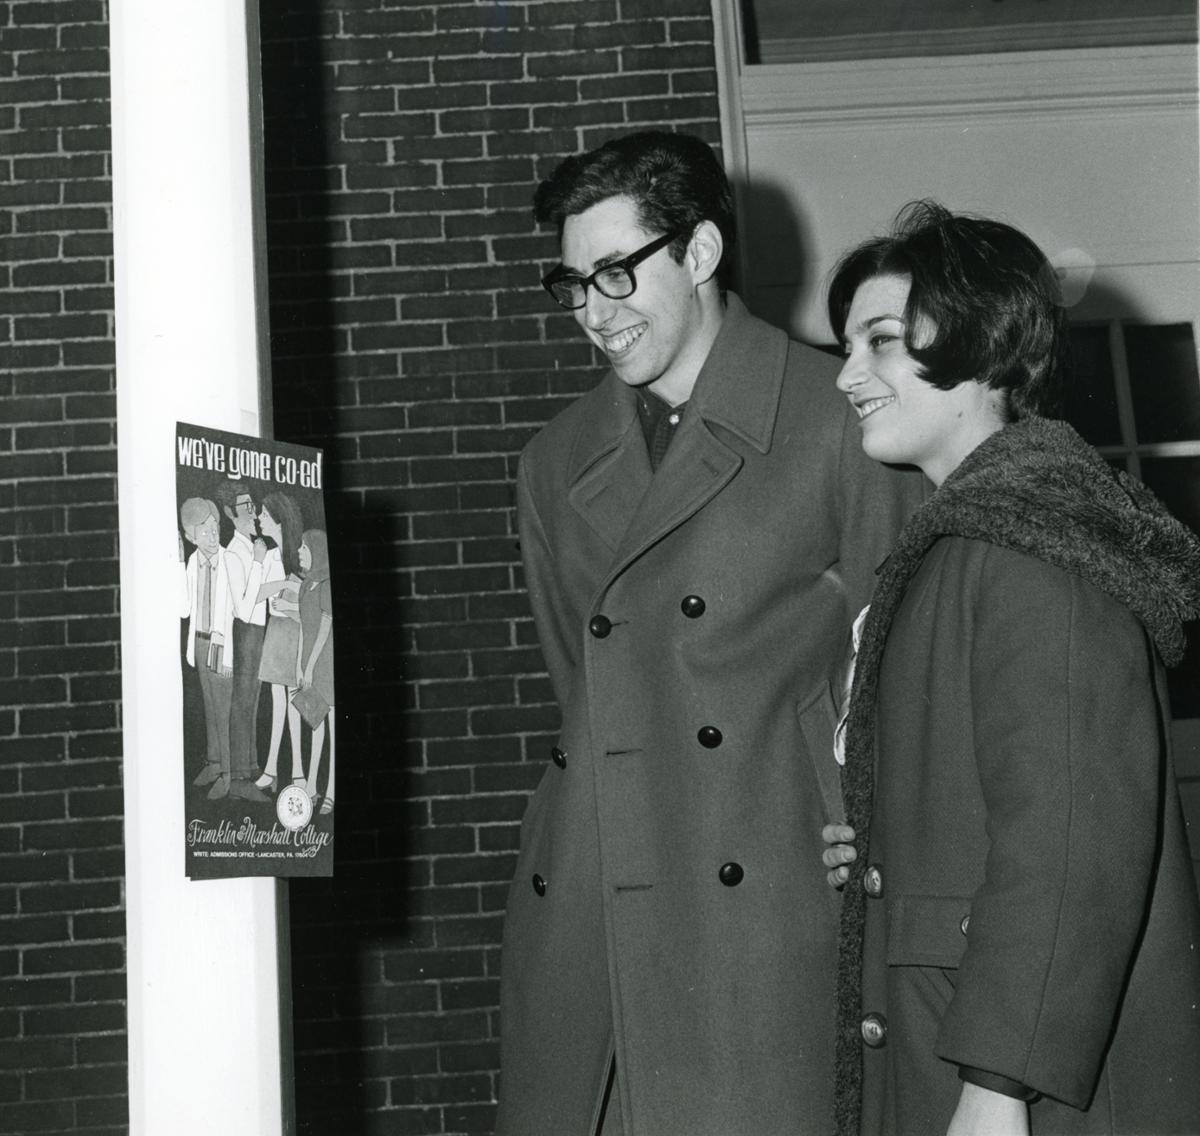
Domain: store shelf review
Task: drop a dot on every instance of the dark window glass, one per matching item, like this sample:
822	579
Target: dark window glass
1091	403
788	31
1177	482
1183	681
1163	382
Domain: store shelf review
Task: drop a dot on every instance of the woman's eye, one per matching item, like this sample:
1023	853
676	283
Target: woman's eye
880	340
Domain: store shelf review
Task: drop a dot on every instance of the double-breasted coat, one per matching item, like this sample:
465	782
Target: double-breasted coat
1031	910
668	905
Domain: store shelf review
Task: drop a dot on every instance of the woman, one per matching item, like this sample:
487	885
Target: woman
1020	932
314	657
281	521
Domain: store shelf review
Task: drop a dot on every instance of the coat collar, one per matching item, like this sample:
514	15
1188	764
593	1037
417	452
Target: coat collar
741	380
609	480
738	388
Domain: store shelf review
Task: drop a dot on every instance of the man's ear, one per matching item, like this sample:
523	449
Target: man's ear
704	252
229	513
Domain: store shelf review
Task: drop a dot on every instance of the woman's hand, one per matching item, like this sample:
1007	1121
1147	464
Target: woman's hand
981	1112
840	854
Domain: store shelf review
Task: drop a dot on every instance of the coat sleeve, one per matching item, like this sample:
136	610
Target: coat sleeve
1068	751
551	613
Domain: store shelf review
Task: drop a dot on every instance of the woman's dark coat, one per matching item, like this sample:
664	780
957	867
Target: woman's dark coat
666	903
1029	903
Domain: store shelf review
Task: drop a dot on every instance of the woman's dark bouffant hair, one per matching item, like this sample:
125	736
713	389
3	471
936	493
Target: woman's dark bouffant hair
987	291
287	513
675	179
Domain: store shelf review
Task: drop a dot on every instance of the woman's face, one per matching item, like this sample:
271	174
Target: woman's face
905	420
305	558
269	525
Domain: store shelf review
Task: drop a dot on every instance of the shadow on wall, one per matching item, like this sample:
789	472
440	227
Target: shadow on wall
776	263
334	922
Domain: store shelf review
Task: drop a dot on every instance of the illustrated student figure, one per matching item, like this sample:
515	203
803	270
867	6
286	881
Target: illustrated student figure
697	532
314	660
207	604
245	554
281	520
1020	927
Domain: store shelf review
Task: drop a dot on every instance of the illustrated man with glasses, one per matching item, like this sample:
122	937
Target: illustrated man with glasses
246	551
697	532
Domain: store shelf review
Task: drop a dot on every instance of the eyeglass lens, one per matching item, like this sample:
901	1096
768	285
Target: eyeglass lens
616	283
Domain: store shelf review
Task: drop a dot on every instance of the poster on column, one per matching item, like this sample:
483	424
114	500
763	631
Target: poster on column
256	635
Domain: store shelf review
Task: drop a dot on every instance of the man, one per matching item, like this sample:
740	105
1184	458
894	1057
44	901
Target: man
697	533
206	603
245	553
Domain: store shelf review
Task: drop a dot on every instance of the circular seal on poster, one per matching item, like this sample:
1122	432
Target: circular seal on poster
293	807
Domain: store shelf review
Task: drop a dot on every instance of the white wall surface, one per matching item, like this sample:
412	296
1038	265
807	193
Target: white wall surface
1094	154
204	1034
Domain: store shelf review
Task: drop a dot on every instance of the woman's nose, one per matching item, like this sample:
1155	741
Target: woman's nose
850	376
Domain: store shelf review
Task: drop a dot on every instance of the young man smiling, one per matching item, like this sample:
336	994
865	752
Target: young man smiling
697	532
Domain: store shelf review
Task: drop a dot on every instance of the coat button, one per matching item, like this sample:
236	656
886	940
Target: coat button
539	884
874	1030
966	922
600	626
709	737
731	874
559	757
873	881
692	607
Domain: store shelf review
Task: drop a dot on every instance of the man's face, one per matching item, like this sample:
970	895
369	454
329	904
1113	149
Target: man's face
242	514
206	536
653	336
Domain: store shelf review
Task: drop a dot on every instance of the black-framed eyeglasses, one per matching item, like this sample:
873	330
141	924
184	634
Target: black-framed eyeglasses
616	280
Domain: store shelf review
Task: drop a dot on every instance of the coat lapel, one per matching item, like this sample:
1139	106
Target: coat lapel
609	470
697	467
736	396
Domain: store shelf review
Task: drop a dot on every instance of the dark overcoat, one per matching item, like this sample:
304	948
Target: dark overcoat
1031	907
668	904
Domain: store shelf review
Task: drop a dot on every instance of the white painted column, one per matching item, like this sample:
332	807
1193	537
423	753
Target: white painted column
203	962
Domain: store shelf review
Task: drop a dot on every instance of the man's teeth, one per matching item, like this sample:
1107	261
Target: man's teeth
623	340
872	405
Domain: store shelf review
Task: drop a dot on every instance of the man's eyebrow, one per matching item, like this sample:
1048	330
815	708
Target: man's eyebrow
601	262
611	258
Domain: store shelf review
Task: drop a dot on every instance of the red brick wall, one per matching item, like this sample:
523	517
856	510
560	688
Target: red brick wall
62	922
411	340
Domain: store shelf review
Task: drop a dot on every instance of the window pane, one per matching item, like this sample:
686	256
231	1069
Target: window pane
1183	681
790	31
1177	482
1163	382
1091	405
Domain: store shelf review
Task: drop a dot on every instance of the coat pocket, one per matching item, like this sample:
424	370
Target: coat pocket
927	930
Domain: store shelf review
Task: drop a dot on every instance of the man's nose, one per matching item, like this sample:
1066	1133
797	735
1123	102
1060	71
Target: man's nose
597	309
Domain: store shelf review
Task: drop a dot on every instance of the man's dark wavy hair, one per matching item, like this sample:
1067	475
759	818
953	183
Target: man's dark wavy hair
675	180
989	293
